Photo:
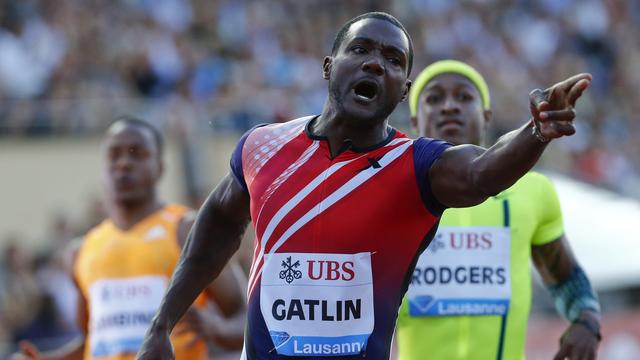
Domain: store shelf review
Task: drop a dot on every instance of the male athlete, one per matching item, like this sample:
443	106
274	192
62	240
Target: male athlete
342	204
123	266
470	293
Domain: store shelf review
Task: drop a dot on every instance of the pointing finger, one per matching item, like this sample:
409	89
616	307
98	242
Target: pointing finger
576	91
567	84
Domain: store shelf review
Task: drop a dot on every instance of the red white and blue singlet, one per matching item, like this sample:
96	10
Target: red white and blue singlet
336	239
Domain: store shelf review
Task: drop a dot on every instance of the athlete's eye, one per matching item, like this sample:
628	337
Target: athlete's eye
464	97
358	49
113	154
433	98
137	152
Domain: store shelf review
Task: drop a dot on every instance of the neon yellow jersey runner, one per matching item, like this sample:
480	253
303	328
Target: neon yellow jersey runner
478	274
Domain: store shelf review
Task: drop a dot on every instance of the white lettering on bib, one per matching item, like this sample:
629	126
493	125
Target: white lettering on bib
318	304
121	311
464	271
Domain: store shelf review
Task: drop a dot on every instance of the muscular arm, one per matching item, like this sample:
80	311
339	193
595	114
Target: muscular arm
554	261
215	236
466	175
555	264
558	268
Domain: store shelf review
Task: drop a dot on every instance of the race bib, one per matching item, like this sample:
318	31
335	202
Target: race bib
464	271
318	304
121	311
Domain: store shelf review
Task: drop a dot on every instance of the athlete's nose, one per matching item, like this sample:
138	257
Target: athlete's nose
450	106
124	162
373	65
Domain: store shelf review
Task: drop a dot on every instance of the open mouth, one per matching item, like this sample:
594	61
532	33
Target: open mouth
366	90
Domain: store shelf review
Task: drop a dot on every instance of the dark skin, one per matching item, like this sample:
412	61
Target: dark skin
132	169
376	52
450	108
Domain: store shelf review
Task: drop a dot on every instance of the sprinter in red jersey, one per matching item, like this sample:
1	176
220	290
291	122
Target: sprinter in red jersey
343	204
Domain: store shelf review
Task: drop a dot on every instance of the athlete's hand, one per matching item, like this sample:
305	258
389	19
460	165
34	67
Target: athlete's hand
577	343
156	346
28	351
553	109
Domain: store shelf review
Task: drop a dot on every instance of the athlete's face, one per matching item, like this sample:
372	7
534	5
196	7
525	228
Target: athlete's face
133	164
368	74
450	108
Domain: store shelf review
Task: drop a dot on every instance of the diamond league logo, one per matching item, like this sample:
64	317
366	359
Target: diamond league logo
436	244
289	273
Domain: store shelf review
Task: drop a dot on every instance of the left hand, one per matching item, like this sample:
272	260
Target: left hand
553	109
577	343
28	351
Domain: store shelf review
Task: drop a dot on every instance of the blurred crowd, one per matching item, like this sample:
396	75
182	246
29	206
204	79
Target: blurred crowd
38	300
69	66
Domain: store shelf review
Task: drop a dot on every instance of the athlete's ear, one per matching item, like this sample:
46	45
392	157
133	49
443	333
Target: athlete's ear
414	123
160	168
405	93
326	67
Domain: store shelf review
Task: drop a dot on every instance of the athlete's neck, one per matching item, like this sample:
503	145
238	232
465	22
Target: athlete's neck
340	129
126	215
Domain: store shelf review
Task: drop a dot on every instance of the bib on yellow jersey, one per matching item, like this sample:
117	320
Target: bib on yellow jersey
122	310
464	271
318	304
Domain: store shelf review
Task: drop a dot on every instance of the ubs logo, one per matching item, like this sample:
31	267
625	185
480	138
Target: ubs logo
331	270
462	241
290	273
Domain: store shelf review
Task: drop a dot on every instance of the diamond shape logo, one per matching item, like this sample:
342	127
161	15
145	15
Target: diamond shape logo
279	338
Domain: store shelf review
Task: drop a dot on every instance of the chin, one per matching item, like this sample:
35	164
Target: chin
454	138
366	115
128	199
360	115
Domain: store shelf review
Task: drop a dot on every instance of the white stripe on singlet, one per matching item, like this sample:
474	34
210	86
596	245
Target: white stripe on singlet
337	195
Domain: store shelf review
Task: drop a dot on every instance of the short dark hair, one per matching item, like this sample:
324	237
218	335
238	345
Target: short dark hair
134	121
372	15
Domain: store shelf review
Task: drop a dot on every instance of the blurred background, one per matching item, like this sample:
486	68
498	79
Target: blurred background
205	71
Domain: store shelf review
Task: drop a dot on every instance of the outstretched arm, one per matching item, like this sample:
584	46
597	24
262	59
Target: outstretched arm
466	175
574	298
214	238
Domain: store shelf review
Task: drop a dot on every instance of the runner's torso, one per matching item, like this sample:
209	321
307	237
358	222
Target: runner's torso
471	290
336	240
123	276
